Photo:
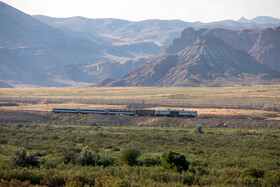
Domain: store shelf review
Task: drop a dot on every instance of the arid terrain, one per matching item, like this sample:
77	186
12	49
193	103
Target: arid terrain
69	152
233	141
147	93
232	107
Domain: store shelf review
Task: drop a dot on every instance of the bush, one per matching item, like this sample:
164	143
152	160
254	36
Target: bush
272	179
174	161
149	160
199	130
122	183
53	179
14	182
32	160
68	156
20	158
253	172
129	156
105	160
86	157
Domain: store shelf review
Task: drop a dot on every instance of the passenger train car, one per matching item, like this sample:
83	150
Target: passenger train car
171	113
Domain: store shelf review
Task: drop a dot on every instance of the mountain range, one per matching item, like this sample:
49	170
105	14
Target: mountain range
212	57
208	61
160	32
40	51
262	44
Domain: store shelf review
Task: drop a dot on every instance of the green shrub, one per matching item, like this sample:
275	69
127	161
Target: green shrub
32	160
68	156
129	156
149	160
86	157
199	130
53	180
253	172
105	160
14	182
20	158
21	174
174	161
122	183
187	178
272	179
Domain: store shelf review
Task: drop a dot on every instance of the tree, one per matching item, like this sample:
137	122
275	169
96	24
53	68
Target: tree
174	161
86	157
20	158
129	156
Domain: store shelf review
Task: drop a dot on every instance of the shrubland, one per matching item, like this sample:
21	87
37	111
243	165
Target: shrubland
234	141
78	155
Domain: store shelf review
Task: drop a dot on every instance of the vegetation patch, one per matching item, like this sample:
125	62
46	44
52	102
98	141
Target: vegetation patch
57	155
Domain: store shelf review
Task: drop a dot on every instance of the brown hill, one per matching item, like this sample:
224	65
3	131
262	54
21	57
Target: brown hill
208	61
262	44
35	54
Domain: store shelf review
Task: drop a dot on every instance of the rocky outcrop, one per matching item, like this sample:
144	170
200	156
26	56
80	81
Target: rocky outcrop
262	44
208	61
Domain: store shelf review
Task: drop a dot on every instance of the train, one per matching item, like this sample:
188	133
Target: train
170	113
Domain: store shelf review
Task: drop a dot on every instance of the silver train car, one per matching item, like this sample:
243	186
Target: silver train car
170	113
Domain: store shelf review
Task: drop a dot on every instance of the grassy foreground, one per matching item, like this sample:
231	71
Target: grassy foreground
236	147
216	156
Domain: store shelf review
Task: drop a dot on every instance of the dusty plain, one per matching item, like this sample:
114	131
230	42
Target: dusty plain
252	107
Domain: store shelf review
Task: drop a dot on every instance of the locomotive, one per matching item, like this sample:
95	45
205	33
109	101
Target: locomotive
170	113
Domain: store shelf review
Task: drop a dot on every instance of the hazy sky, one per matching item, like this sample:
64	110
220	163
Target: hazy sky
135	10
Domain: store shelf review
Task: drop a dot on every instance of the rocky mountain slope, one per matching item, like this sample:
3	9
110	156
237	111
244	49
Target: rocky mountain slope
35	54
262	44
208	61
42	51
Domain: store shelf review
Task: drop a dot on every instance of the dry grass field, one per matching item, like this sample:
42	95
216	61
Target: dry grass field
257	94
230	95
47	107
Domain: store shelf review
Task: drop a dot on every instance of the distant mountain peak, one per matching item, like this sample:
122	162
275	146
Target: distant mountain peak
266	20
187	31
209	40
243	20
262	20
209	46
188	36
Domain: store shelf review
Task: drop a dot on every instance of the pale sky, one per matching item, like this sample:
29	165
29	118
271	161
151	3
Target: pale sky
136	10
